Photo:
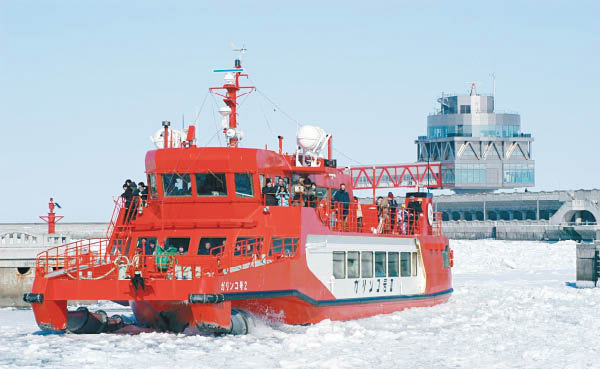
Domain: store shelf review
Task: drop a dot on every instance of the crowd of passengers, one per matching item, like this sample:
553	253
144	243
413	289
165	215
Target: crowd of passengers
304	193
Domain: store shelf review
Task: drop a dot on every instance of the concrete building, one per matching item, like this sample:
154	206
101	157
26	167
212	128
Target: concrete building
550	216
480	150
19	245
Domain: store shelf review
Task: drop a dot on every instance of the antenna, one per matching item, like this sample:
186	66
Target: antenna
241	50
493	75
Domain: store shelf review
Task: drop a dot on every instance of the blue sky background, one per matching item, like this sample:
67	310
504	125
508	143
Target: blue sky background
84	84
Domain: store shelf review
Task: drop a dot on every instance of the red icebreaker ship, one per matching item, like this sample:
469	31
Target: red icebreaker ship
214	244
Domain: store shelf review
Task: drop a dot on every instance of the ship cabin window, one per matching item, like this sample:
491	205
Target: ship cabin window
465	109
405	264
414	264
247	246
393	264
243	185
366	264
181	244
339	264
353	264
176	185
211	184
143	245
152	185
285	246
211	245
380	264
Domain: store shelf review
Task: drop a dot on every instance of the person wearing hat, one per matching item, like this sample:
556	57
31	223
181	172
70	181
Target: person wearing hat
393	205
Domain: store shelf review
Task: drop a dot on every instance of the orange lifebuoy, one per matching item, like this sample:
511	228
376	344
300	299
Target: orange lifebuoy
323	211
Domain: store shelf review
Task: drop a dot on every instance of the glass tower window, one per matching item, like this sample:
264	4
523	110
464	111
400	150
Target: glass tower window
519	173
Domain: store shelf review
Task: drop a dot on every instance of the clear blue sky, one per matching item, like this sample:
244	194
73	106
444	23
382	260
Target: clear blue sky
83	84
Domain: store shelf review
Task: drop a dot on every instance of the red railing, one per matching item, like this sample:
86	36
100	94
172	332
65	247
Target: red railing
74	258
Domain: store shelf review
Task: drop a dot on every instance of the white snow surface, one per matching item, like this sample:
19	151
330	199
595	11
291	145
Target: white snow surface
510	309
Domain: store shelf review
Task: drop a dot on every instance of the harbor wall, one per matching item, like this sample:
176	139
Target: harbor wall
19	245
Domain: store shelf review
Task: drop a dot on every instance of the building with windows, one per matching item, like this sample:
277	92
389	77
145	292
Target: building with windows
480	150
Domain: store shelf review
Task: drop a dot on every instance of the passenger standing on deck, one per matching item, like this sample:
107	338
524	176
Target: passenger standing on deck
403	218
135	198
282	193
341	202
269	193
414	209
311	196
382	212
393	210
359	215
143	193
126	195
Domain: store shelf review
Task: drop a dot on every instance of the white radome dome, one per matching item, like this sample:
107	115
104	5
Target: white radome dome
309	137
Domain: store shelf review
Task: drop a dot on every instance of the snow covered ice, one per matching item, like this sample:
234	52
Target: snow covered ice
510	309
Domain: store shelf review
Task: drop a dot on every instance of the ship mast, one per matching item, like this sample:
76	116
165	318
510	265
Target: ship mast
232	88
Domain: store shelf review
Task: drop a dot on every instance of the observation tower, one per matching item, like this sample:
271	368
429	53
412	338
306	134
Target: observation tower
480	150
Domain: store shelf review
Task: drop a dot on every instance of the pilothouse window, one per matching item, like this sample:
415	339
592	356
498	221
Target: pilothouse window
243	185
177	185
211	184
152	185
181	244
211	245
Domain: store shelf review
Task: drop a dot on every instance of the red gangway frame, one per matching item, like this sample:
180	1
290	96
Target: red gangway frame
415	175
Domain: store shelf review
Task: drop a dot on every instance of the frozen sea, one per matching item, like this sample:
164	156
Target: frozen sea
511	309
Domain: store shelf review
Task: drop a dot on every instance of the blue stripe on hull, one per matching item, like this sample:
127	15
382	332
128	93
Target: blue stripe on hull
310	300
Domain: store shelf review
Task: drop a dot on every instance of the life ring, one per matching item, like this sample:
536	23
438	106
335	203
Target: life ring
451	257
323	211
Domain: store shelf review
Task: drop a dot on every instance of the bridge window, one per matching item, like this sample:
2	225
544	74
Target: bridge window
246	246
152	185
465	109
405	264
243	185
211	184
177	185
380	264
287	244
339	264
143	245
366	264
353	264
392	264
182	244
211	245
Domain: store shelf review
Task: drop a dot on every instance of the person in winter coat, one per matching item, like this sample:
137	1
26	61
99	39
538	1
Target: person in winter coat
127	195
282	194
269	193
359	215
341	201
143	193
393	204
